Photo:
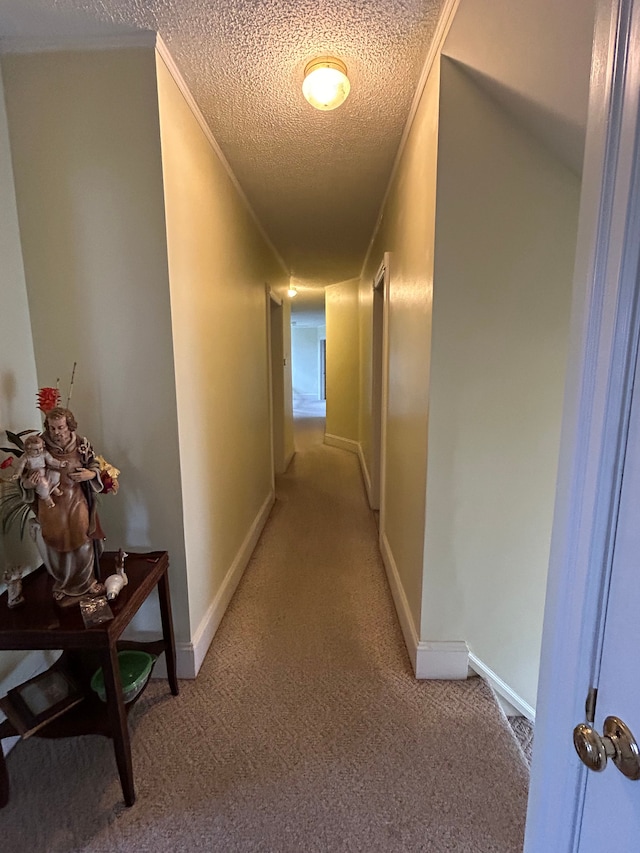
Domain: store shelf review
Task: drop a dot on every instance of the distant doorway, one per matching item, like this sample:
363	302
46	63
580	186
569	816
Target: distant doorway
308	364
323	369
275	329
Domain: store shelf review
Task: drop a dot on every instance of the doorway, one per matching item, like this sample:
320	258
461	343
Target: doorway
379	362
323	369
275	333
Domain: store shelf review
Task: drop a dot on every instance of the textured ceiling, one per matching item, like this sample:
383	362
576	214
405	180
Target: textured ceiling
315	180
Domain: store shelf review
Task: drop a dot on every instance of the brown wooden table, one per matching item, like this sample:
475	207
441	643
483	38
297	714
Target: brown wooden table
42	624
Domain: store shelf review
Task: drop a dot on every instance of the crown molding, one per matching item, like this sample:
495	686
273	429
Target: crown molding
174	71
443	26
50	44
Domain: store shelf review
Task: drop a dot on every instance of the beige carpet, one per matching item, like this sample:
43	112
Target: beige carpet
305	730
524	731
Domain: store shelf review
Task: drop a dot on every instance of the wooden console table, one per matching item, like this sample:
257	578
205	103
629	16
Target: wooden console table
41	624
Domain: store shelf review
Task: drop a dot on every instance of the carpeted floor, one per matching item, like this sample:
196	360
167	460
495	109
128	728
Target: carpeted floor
523	730
305	730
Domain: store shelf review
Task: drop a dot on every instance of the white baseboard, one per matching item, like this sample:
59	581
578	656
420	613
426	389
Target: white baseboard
288	461
405	618
343	443
502	688
365	473
446	659
190	656
431	659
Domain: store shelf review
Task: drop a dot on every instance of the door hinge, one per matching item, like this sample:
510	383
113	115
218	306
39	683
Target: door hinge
590	704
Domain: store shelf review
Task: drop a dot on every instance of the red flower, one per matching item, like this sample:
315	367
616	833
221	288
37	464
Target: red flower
6	463
48	398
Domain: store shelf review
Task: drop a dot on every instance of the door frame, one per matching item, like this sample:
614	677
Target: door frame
379	384
322	358
274	302
604	336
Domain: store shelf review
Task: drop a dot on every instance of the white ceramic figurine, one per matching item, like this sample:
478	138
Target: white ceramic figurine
114	583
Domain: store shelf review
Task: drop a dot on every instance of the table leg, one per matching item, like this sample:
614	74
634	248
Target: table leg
118	722
167	632
4	780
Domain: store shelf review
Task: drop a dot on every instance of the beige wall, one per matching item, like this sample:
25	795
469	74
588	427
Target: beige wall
85	143
341	314
505	241
144	264
406	231
17	364
218	264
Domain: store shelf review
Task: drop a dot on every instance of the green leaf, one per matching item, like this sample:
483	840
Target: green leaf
13	509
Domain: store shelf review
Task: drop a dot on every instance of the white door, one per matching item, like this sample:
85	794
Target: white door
611	812
591	634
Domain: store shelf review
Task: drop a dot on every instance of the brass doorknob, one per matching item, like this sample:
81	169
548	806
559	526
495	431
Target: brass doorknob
617	743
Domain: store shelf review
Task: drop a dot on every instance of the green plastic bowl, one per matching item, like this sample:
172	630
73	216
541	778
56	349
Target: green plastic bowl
135	668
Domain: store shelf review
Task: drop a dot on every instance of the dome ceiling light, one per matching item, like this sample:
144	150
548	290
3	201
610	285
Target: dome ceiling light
326	84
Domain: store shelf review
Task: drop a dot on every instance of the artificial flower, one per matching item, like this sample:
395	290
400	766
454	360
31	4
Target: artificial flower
48	398
109	475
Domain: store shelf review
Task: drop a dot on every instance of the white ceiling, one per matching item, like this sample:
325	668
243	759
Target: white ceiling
316	180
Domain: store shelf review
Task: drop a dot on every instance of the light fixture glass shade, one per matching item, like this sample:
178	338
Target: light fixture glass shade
292	292
326	84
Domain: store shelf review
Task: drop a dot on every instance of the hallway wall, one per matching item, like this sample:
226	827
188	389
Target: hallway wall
17	362
219	262
406	231
431	480
341	307
503	273
159	313
85	144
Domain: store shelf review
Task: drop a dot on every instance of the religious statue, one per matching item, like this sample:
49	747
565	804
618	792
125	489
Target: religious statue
67	532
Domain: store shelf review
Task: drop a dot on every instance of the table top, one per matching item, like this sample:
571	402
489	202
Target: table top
40	623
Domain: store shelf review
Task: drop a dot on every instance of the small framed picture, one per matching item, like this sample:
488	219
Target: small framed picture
35	702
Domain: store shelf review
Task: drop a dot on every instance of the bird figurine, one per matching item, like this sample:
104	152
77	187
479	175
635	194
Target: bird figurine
115	583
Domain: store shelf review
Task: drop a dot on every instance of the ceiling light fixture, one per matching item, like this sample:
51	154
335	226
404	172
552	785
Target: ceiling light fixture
293	291
326	84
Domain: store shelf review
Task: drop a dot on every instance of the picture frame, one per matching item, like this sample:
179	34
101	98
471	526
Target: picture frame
34	703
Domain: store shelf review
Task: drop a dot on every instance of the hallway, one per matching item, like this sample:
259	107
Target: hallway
305	730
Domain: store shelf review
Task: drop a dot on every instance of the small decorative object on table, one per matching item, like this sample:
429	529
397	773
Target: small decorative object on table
114	583
13	579
95	611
